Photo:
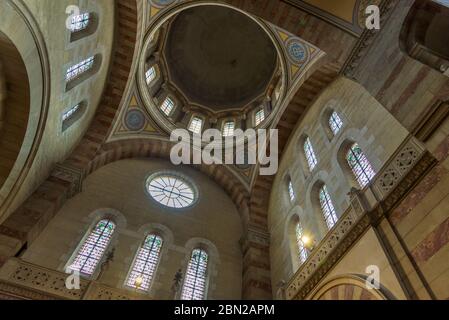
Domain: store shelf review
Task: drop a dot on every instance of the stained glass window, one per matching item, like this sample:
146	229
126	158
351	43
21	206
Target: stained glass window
291	192
150	75
196	125
167	106
69	113
260	117
79	69
360	165
327	208
335	123
228	129
145	264
171	191
195	280
93	248
79	22
302	249
310	154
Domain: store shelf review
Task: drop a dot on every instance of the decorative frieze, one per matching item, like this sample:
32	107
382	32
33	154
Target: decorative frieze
23	280
19	273
397	167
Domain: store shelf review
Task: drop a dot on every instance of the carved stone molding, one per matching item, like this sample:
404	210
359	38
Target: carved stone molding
73	175
366	40
402	162
23	280
16	272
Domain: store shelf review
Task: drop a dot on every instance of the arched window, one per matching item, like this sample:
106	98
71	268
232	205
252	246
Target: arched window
335	123
360	165
194	287
228	128
78	69
80	22
70	116
196	125
145	263
291	191
327	207
167	106
69	113
93	248
150	75
303	254
310	154
259	117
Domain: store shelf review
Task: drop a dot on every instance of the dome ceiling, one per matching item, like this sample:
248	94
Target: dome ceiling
219	58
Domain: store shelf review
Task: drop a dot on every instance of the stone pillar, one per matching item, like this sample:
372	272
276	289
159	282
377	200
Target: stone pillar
256	265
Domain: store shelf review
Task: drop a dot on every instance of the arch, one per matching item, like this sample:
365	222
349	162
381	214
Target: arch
140	148
82	70
325	117
348	287
144	268
313	192
208	250
21	31
94	246
421	37
73	114
88	24
166	15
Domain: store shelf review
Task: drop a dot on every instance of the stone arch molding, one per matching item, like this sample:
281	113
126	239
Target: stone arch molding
348	287
19	26
293	64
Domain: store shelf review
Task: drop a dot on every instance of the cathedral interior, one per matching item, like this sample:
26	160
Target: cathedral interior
93	207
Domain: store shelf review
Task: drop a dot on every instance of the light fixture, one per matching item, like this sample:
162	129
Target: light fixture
308	242
138	282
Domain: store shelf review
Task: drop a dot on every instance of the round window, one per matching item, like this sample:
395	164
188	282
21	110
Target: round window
171	190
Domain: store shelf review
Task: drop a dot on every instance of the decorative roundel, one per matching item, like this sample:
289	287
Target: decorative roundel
135	120
171	190
162	3
297	51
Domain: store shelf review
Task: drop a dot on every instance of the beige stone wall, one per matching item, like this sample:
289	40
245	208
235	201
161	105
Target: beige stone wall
365	253
365	122
50	16
120	186
422	219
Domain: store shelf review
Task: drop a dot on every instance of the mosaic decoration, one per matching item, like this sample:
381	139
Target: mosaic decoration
135	120
171	191
360	165
93	248
162	3
328	208
297	51
145	264
157	5
195	280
